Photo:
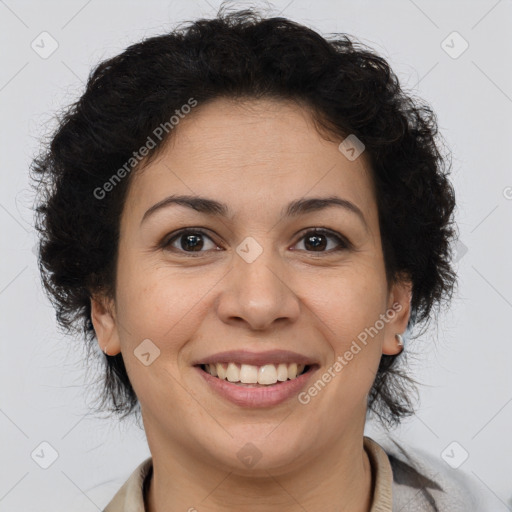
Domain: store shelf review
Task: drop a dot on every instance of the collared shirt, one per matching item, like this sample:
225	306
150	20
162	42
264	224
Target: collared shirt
130	497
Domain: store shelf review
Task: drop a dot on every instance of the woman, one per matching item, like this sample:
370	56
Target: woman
249	219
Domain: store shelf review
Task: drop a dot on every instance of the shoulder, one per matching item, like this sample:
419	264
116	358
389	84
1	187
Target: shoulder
423	482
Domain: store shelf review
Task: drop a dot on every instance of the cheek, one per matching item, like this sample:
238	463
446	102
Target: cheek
164	311
148	305
350	308
351	302
161	304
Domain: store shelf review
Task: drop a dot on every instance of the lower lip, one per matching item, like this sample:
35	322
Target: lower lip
264	396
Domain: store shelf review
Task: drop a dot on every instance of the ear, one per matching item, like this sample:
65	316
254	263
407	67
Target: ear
105	326
398	312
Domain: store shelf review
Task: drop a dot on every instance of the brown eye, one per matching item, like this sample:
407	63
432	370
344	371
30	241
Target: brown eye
318	241
189	241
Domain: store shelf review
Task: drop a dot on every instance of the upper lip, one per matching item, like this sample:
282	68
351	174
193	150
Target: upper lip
256	358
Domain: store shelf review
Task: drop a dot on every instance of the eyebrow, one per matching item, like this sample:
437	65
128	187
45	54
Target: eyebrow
293	209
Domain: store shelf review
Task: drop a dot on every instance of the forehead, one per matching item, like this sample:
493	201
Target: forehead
249	152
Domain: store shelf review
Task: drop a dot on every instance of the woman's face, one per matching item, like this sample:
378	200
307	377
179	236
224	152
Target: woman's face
255	287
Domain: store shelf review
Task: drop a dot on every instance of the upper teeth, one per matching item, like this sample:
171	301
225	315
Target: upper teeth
249	374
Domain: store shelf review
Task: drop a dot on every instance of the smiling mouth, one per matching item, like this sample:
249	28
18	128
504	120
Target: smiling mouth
247	375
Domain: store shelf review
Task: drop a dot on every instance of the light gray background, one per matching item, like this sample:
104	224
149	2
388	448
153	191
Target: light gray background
467	391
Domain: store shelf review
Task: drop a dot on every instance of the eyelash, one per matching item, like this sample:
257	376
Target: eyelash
343	243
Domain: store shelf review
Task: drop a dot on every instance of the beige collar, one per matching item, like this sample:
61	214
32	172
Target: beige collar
382	476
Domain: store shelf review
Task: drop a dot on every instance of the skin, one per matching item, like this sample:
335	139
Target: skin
256	156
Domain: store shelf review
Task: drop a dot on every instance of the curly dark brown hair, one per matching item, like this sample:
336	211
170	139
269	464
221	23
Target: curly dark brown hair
348	88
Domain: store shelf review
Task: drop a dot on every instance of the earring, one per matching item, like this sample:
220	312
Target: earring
400	341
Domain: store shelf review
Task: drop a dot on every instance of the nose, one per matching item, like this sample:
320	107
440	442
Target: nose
258	294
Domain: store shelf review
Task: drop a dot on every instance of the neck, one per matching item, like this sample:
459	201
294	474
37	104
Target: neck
339	480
